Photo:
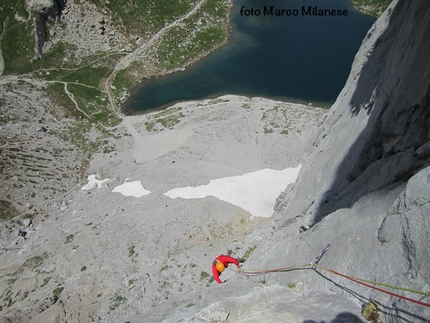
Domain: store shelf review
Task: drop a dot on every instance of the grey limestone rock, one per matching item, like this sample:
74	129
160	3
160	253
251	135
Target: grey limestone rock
372	155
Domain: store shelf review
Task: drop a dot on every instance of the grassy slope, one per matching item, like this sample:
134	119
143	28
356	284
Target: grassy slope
372	7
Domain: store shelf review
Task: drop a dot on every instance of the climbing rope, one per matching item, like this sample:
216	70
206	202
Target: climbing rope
406	289
361	282
365	282
262	272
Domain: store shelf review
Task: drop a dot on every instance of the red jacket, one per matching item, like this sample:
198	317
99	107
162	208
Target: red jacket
225	260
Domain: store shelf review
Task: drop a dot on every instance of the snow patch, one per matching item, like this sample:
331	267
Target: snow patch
255	192
131	189
92	181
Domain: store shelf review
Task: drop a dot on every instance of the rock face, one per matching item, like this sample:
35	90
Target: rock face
364	189
37	162
82	24
101	255
47	8
377	131
87	27
42	10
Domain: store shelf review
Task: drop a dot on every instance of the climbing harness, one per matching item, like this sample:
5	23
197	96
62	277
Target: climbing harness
365	282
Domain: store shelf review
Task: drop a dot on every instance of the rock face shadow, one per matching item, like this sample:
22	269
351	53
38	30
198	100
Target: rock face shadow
345	317
393	90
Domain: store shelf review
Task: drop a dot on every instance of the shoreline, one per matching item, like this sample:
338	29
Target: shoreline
126	106
128	112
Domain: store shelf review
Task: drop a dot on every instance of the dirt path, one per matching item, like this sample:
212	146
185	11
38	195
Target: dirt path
1	63
72	97
14	78
1	53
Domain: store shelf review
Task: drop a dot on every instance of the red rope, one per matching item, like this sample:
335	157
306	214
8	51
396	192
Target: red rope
260	272
377	288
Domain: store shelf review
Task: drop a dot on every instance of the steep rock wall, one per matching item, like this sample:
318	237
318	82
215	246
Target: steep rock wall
376	133
43	10
365	187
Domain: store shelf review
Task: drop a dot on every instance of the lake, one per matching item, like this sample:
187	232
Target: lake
301	57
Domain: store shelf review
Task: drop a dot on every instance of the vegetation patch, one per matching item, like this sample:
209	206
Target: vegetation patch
59	96
57	291
170	121
45	281
116	301
89	76
132	252
286	119
249	251
36	261
268	129
166	119
7	211
372	7
216	101
292	285
125	78
370	312
164	268
179	47
61	55
149	126
16	38
145	16
204	275
69	238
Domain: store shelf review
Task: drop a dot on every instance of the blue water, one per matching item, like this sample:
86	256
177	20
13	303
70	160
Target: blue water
296	58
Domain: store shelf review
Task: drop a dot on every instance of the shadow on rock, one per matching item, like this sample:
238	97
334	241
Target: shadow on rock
395	144
341	318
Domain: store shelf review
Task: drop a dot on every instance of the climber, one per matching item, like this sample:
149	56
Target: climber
220	263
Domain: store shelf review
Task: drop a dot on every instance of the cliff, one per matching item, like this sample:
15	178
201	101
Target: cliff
364	188
378	125
41	11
